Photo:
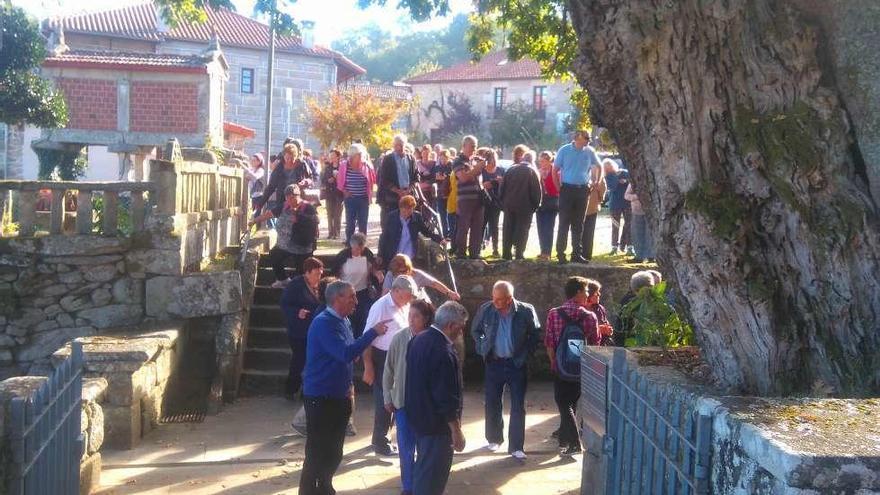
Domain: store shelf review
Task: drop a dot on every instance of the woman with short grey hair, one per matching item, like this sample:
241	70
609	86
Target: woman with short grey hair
355	179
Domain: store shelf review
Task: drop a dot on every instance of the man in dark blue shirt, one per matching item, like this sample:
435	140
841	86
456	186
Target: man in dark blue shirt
330	350
617	180
433	398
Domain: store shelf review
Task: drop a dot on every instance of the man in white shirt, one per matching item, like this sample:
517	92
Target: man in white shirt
393	310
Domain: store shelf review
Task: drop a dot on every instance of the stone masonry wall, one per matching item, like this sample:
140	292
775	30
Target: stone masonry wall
57	288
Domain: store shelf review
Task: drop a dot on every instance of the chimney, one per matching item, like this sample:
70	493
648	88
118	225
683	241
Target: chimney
308	34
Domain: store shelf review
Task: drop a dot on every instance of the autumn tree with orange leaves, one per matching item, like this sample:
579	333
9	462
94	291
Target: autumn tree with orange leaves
349	114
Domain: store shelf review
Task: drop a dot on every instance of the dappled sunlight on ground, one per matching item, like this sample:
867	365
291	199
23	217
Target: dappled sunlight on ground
249	448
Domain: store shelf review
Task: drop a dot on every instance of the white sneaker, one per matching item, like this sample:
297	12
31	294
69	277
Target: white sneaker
280	284
493	447
519	455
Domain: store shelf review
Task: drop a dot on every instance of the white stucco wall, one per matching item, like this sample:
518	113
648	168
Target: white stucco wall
482	96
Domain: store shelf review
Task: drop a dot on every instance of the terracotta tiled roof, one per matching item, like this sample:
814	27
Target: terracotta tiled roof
238	129
86	58
139	22
386	91
492	67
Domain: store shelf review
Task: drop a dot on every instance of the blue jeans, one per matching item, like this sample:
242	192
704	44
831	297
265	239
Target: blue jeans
546	227
406	449
501	372
357	209
431	470
643	241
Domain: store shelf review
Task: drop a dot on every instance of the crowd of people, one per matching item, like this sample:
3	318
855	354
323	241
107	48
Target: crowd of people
375	310
466	190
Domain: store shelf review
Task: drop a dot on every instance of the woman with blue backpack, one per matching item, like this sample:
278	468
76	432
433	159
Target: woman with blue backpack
569	327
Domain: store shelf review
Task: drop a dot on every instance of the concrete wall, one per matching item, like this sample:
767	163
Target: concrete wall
304	77
482	95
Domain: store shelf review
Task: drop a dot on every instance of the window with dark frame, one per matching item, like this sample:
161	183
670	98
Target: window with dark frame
500	97
539	98
247	81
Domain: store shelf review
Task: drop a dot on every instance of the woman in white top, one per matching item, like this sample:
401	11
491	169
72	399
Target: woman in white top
358	266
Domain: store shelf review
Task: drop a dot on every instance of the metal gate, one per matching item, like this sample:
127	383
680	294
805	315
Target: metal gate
656	442
46	440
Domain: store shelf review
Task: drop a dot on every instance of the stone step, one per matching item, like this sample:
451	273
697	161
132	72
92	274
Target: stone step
263	382
267	315
326	258
265	295
267	338
274	359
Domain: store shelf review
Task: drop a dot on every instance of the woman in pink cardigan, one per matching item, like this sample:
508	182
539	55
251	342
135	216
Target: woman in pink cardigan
355	179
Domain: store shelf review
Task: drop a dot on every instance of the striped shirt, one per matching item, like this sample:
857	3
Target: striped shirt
467	191
355	183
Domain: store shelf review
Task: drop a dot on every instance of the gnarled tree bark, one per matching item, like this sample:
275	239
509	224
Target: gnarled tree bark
737	120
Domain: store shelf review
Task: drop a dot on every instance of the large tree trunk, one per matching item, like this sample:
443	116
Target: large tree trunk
733	118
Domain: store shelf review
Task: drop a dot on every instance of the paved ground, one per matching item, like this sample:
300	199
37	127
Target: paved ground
249	448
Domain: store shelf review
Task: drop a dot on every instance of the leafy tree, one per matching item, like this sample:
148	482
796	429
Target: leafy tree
24	96
750	129
388	57
351	114
458	114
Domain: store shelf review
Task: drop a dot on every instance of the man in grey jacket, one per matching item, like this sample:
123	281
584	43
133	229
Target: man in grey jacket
520	198
506	332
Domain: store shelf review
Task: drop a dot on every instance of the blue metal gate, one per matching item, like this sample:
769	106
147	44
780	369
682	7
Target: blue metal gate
655	442
46	440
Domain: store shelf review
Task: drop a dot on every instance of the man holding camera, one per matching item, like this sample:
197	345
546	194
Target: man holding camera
468	168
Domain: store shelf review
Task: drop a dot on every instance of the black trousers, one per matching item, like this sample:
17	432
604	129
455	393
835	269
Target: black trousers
587	239
490	226
297	363
326	420
278	259
516	232
381	417
572	209
566	395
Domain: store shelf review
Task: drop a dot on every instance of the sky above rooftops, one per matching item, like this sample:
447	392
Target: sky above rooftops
333	18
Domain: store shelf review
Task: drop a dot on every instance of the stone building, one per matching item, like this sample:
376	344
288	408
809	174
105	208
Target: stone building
303	70
491	85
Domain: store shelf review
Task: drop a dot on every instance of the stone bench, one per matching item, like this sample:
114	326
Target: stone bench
137	367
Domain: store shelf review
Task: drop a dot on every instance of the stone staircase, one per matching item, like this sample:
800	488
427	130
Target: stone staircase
267	353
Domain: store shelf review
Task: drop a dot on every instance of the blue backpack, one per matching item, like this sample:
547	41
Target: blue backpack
568	350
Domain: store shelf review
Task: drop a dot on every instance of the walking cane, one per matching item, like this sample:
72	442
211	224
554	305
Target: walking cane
437	227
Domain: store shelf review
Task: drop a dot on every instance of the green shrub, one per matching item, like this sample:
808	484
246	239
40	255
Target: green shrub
652	321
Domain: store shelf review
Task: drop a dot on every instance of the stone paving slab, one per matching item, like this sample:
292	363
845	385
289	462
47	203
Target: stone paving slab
249	448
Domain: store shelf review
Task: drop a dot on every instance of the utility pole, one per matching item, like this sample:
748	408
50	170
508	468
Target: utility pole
269	87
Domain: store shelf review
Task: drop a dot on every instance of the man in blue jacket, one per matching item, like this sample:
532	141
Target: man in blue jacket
401	229
433	398
330	350
506	332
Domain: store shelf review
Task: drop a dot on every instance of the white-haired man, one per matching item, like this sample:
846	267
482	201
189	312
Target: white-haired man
397	172
433	398
506	332
392	309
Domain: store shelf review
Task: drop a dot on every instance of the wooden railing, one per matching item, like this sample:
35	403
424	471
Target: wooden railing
201	191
